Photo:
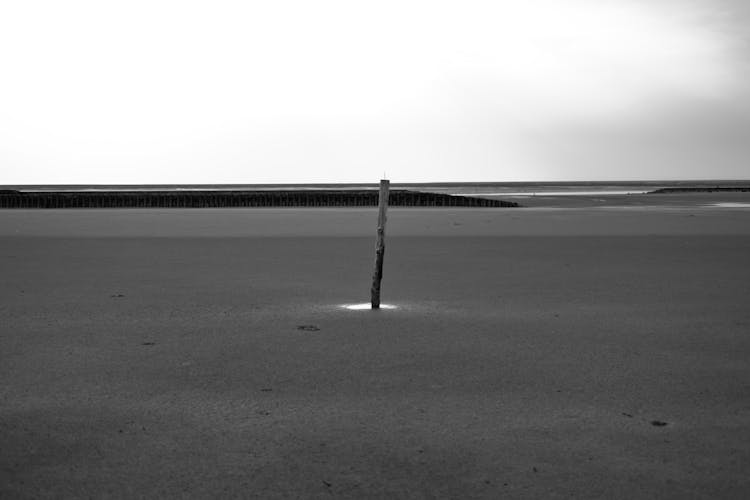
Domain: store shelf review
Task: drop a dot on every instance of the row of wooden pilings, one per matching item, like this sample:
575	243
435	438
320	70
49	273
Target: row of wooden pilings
212	199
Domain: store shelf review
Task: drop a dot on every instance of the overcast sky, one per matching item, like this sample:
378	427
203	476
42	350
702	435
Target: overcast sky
340	91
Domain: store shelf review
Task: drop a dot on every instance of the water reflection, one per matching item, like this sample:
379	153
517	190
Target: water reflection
366	305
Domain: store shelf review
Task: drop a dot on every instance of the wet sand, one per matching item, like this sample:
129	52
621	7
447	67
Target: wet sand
587	353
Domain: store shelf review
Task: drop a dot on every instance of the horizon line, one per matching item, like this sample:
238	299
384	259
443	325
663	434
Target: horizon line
409	183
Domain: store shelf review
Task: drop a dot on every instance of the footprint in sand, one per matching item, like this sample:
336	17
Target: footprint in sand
308	328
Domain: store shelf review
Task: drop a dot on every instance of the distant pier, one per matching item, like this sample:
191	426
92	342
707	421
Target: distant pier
222	199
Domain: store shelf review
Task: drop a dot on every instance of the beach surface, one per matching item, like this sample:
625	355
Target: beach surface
588	352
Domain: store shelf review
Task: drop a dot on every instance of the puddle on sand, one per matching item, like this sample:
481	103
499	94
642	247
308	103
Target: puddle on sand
366	305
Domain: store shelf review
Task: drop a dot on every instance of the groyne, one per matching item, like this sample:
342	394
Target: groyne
215	199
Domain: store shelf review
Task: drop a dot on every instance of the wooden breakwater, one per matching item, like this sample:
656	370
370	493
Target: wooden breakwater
216	199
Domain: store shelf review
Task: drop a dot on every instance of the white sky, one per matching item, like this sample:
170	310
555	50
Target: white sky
341	91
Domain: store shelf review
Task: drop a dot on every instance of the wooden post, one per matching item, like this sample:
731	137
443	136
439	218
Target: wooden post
377	274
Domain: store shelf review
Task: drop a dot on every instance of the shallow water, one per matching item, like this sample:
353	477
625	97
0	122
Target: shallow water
731	205
549	193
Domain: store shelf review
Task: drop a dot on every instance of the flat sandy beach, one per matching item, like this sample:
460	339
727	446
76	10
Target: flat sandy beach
589	352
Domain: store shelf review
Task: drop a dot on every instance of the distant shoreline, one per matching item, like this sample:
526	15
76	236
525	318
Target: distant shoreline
561	194
717	189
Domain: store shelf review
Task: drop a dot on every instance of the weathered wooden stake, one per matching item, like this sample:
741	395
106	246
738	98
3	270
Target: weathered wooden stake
377	274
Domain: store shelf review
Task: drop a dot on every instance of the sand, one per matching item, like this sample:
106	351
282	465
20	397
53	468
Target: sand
531	353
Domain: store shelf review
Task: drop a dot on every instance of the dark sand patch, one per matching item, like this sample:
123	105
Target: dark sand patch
692	219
